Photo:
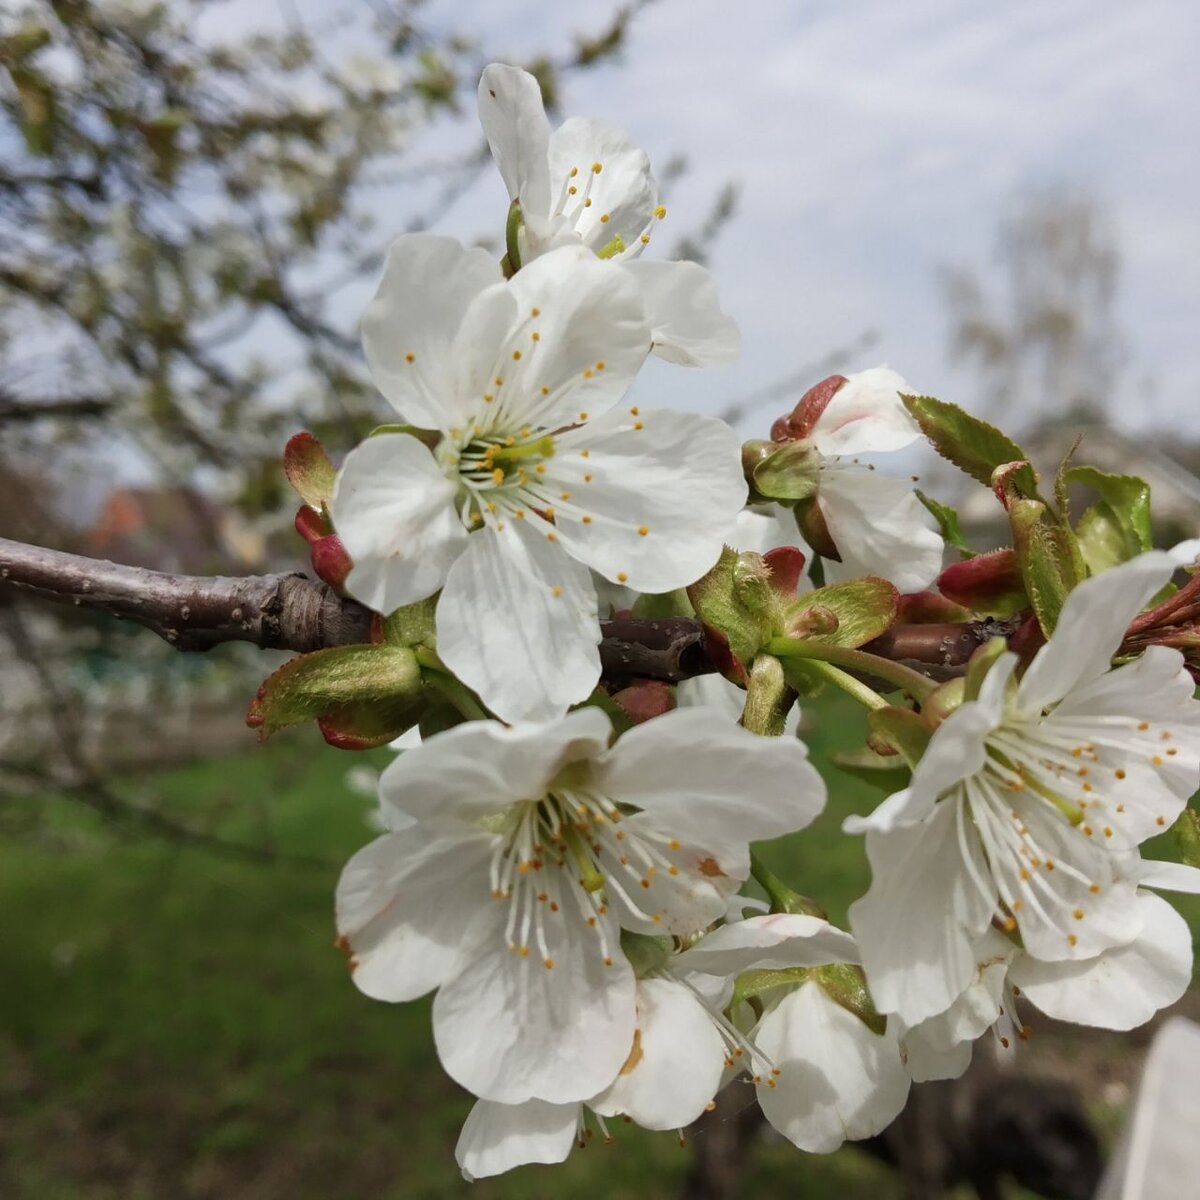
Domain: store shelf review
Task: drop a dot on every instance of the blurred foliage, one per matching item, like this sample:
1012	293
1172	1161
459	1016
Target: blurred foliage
179	194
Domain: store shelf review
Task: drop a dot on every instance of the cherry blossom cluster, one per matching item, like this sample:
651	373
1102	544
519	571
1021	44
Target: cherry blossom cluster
567	857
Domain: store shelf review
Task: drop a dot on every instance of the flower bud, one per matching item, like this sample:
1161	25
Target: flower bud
799	424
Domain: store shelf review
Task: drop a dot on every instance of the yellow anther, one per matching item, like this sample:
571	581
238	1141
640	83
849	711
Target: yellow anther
535	336
645	239
498	476
587	520
597	167
545	390
600	365
552	537
585	454
564	495
588	373
535	312
572	189
587	478
516	356
660	211
638	425
643	530
574	172
635	411
604	218
519	514
1071	939
622	577
410	358
548	963
1078	914
488	397
588	202
498	381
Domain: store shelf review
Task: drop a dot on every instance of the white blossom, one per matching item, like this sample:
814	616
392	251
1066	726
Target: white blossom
588	183
533	847
537	476
1027	807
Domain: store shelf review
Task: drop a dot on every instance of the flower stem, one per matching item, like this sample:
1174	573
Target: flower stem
866	696
782	898
913	682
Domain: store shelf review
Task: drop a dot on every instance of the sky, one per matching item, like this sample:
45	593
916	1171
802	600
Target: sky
871	142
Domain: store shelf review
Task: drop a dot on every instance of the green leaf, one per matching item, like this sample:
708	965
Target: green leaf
972	445
367	695
864	609
1102	539
1128	499
947	519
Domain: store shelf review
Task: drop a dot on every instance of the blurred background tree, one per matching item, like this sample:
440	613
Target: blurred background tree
180	209
1043	333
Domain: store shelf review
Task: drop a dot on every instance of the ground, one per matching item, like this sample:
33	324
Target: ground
176	1024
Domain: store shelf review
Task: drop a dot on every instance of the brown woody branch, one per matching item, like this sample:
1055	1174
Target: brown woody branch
292	612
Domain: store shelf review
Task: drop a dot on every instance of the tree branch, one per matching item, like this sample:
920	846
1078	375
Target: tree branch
292	612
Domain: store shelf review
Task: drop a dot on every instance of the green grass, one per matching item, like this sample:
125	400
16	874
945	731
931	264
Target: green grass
176	1024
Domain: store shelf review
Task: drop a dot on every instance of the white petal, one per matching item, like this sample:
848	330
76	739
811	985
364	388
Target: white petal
528	652
776	941
676	1064
1186	553
481	767
956	751
686	321
497	1137
622	194
393	508
675	476
509	1028
1174	877
1090	627
514	122
837	1079
591	338
940	1047
1070	895
918	924
1121	988
703	780
409	327
866	416
409	913
879	527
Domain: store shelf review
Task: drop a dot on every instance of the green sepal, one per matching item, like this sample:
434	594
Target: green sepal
901	729
664	604
750	985
864	608
788	473
947	519
1187	836
621	720
886	771
412	625
846	984
645	952
972	445
368	695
